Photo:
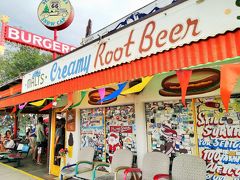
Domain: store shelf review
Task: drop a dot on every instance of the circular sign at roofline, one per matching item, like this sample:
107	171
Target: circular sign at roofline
55	14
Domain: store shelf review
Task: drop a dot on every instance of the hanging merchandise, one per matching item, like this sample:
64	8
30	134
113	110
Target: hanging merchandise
170	128
83	94
92	131
183	78
139	87
70	101
229	75
38	103
120	130
115	93
70	145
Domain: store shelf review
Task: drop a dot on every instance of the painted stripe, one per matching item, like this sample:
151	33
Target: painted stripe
21	171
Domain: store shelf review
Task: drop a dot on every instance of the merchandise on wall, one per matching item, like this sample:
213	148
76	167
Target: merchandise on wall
120	130
71	120
219	137
92	131
108	129
170	127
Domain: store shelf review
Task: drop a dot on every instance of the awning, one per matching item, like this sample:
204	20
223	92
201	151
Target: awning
210	50
11	91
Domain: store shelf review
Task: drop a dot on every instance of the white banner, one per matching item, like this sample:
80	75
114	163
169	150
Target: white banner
188	22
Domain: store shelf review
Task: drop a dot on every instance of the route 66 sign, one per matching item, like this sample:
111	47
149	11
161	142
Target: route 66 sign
55	14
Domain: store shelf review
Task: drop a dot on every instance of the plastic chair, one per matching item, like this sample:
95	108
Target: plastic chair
84	164
186	167
122	159
153	163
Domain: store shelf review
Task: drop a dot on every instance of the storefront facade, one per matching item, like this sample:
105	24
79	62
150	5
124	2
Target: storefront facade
153	119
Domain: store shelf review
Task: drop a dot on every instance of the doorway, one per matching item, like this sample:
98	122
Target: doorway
57	120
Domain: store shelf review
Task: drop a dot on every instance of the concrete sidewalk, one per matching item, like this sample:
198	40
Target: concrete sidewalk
10	173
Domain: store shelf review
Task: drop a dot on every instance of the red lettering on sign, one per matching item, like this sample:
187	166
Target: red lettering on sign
151	36
121	129
127	45
29	39
105	57
173	35
147	35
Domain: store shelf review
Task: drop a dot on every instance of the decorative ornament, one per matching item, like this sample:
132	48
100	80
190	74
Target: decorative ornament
115	93
50	105
4	19
184	78
83	94
139	87
70	101
229	76
21	106
102	93
38	103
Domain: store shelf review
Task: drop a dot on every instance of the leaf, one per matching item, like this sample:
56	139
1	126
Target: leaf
19	59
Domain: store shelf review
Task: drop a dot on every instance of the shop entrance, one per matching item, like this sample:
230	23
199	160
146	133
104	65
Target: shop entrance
57	140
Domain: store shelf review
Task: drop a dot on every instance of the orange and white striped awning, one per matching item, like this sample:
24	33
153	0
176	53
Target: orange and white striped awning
212	49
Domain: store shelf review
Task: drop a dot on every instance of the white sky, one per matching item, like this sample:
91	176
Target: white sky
23	14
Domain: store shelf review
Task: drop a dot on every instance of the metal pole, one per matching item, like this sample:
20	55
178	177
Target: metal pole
15	125
4	21
55	39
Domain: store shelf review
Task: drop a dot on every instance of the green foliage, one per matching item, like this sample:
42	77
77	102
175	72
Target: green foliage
6	123
238	3
18	60
24	122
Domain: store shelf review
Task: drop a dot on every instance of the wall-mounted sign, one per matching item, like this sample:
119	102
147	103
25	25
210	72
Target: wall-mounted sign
219	137
155	34
55	14
202	81
27	38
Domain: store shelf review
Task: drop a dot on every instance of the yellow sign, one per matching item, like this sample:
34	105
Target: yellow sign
55	14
